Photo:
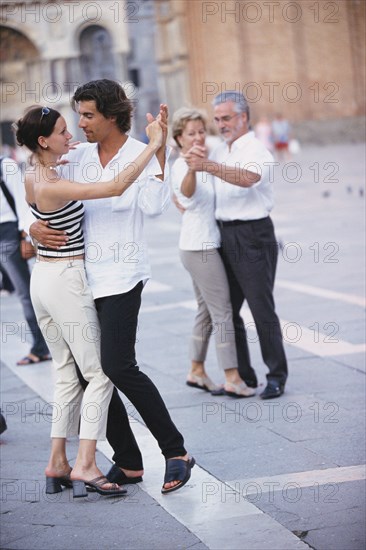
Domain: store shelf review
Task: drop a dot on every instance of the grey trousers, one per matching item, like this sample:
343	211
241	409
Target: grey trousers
214	315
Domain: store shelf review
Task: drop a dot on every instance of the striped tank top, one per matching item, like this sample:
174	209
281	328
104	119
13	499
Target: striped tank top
68	218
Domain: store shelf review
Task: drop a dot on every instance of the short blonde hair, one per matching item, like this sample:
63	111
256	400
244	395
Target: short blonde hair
184	115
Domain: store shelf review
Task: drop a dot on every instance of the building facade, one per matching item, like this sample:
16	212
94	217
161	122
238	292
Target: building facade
48	48
305	59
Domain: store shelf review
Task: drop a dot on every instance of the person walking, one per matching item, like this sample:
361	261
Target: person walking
244	198
13	245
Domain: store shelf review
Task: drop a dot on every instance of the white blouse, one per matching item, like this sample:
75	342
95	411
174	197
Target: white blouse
199	230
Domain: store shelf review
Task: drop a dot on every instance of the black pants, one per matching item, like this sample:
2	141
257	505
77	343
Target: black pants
249	251
118	320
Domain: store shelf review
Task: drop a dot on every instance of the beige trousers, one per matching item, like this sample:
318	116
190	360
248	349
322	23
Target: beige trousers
67	317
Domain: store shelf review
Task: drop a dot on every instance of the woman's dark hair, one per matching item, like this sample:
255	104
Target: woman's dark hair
37	121
110	100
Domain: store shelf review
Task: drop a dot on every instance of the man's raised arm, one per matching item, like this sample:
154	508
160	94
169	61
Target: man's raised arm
161	152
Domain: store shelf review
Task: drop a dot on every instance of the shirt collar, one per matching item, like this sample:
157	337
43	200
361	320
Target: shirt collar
95	152
242	140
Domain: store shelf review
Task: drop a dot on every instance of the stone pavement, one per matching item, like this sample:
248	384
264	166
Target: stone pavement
283	474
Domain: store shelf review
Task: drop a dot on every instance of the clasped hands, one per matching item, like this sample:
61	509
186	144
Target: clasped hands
196	158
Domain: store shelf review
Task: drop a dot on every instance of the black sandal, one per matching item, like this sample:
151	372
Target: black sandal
55	484
27	360
177	469
116	475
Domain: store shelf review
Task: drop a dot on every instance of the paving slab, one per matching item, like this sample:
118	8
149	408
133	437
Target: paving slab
324	513
239	444
30	519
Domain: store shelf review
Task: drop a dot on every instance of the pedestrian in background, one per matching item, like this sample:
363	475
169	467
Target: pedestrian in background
281	137
6	286
15	249
263	132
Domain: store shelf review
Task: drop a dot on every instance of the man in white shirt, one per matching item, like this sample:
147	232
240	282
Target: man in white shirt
244	199
13	210
117	268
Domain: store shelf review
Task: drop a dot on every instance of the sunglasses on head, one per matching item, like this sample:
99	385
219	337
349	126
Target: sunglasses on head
45	111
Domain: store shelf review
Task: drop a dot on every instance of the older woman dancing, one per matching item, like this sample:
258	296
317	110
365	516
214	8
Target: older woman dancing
199	251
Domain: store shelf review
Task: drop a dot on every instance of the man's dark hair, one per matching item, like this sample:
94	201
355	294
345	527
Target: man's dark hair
110	100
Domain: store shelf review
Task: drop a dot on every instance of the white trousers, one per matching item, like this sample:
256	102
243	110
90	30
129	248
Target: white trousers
214	315
67	317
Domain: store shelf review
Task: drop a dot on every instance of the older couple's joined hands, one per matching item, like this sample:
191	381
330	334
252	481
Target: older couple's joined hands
196	158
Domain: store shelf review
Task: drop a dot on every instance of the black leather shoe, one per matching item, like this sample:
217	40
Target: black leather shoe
272	390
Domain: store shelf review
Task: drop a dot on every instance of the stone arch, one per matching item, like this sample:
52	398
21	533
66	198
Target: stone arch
96	53
16	46
18	54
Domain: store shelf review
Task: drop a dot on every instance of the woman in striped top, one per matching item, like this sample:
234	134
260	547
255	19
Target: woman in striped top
62	300
68	218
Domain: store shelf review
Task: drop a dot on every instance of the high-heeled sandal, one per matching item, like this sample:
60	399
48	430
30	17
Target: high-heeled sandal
79	487
55	484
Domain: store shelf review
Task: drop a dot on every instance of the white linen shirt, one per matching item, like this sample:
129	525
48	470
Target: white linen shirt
13	178
199	230
244	203
115	250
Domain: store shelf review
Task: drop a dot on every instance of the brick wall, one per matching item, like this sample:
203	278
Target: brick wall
305	59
